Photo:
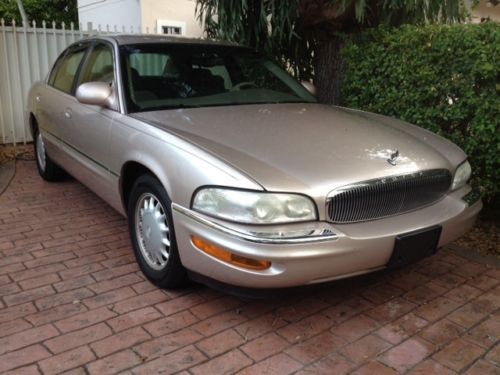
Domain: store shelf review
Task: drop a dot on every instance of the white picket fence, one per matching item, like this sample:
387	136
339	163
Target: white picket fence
26	54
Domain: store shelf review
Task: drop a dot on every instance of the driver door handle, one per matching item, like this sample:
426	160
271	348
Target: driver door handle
67	113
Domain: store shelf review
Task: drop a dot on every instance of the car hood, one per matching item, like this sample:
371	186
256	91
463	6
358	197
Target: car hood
309	148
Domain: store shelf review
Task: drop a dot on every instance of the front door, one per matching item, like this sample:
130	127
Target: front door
54	118
90	127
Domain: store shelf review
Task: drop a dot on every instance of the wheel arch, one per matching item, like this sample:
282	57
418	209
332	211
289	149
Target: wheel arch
33	124
130	172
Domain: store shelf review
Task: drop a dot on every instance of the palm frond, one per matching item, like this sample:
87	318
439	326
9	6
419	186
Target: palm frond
278	28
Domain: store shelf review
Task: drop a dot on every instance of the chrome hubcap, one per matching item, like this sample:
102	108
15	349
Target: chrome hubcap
40	152
153	234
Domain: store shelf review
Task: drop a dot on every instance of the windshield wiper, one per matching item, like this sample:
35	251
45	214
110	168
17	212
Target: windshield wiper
168	106
252	103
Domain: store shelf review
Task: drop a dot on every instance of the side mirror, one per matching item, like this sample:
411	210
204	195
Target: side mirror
96	93
309	86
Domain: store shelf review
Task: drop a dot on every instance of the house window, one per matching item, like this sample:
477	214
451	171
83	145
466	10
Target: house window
171	27
172	30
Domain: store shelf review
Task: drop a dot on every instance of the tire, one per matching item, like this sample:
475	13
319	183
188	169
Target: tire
152	233
47	169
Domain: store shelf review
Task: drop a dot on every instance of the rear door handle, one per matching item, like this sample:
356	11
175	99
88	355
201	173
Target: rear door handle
67	113
37	98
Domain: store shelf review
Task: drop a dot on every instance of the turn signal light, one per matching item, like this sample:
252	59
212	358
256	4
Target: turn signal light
228	257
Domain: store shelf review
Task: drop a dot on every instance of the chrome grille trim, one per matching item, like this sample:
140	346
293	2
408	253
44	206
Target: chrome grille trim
388	196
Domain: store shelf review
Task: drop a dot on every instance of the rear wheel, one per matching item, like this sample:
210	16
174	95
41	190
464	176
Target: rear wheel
152	233
47	169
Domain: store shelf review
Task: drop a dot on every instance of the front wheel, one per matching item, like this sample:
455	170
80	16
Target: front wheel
47	169
152	233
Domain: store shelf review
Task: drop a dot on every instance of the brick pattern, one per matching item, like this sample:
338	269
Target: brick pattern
73	300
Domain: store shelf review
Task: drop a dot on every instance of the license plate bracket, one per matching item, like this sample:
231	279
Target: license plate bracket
413	246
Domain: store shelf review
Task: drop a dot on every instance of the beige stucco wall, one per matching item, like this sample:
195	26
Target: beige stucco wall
175	10
484	11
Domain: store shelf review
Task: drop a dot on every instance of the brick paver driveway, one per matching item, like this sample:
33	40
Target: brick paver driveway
72	298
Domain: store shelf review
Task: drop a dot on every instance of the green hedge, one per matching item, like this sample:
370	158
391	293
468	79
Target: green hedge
443	78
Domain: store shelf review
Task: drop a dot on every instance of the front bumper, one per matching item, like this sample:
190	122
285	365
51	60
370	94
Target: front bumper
331	252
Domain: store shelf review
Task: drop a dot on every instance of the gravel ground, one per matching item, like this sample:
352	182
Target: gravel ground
484	238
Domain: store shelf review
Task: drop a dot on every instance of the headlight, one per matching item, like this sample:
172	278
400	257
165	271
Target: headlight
462	175
254	207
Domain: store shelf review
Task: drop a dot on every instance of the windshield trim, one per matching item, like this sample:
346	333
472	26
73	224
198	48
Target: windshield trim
231	104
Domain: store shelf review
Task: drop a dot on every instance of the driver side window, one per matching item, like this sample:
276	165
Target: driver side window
99	65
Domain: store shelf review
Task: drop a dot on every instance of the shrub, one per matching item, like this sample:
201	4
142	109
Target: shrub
444	78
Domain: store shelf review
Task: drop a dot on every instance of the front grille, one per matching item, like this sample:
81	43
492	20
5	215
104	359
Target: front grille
375	199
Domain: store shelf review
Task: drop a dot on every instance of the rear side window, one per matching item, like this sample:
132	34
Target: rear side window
66	69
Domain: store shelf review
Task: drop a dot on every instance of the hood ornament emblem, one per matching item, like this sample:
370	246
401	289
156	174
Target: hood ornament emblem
393	157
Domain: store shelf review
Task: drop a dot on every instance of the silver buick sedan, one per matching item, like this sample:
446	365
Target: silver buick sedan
231	173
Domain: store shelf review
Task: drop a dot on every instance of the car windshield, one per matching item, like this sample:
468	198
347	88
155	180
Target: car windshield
163	76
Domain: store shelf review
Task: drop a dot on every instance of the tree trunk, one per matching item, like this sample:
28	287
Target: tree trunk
258	31
329	69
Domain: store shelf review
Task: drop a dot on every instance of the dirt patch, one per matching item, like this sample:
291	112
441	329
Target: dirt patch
484	238
19	152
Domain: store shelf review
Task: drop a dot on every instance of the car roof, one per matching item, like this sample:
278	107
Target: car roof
123	39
